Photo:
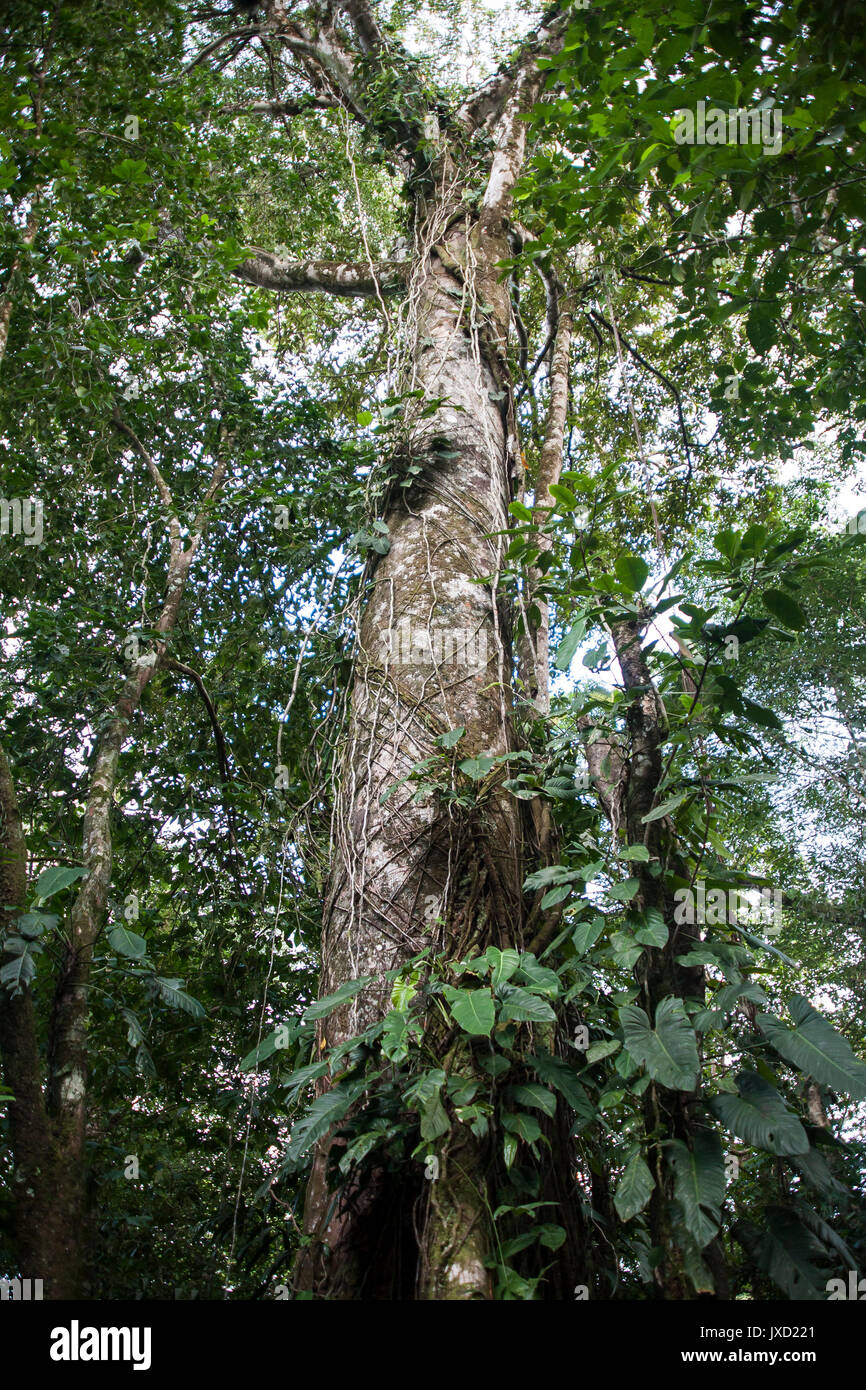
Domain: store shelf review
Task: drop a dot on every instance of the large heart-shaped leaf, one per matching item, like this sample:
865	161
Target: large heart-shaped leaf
502	963
760	1116
522	1007
669	1051
127	943
631	571
816	1048
55	879
473	1010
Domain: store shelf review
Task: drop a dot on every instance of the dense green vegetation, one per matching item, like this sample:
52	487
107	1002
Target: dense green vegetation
229	233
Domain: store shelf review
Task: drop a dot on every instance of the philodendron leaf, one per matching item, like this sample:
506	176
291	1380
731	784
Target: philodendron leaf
473	1010
631	571
669	1051
634	1189
502	963
55	879
760	1116
784	1251
699	1184
127	943
816	1048
521	1006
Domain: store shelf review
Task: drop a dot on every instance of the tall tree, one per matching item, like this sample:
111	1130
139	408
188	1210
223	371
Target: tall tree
524	1053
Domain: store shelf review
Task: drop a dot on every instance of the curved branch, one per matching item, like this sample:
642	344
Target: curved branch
245	34
489	100
369	35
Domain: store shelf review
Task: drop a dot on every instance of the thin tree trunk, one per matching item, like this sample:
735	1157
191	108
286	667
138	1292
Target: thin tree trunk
53	1122
42	1231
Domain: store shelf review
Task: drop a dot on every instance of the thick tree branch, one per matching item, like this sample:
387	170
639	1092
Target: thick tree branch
369	35
287	107
489	100
348	279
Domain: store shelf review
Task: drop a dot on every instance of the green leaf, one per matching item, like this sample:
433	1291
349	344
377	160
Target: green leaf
665	808
569	645
557	1073
325	1111
540	978
325	1006
635	854
784	1251
476	768
473	1010
19	971
522	1007
434	1119
631	571
502	963
55	879
452	737
556	895
172	994
669	1052
634	1189
784	607
586	934
652	929
761	328
727	542
273	1043
699	1184
816	1048
520	511
134	1030
563	496
525	1126
533	1095
295	1083
625	891
760	1116
127	943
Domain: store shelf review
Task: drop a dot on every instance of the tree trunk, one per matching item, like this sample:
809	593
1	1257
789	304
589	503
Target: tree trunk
45	1245
434	654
